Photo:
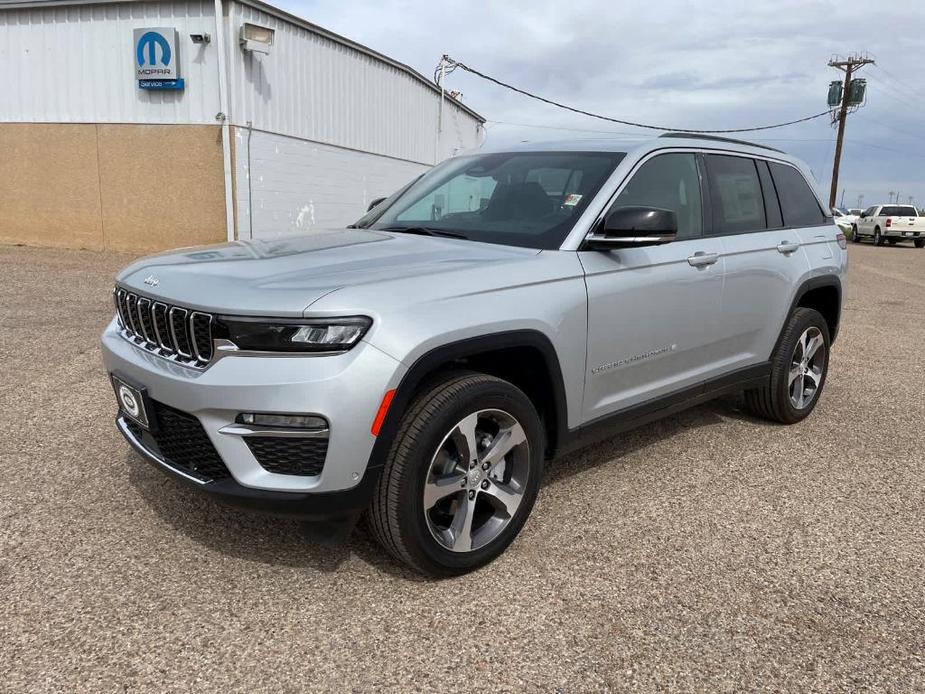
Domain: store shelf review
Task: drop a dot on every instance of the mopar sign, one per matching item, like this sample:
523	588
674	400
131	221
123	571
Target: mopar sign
155	55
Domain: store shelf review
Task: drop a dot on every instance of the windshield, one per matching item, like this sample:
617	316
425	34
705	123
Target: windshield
527	199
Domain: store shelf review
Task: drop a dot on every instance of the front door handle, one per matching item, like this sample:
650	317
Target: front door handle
786	247
701	259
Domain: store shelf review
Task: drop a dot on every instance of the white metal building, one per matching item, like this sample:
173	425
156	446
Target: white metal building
296	129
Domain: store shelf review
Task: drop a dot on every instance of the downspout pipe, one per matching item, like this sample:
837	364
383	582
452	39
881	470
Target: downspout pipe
224	117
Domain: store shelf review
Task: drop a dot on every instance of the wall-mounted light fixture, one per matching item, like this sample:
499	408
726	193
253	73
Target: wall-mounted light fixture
200	38
256	38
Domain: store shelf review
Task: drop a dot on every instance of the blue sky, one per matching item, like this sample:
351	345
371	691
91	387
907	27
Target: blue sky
715	64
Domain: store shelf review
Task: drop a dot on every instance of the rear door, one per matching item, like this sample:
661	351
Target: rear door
764	257
653	312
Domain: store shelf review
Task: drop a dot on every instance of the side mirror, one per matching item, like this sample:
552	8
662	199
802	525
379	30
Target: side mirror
376	201
631	227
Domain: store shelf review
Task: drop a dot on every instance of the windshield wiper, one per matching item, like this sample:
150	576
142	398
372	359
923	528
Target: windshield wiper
426	231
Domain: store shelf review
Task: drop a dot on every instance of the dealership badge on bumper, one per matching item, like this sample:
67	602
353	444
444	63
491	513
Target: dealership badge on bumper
131	402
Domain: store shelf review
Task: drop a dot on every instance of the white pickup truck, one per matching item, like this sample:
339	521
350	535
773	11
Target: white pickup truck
892	223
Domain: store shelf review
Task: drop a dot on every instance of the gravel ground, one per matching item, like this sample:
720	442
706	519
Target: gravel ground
708	552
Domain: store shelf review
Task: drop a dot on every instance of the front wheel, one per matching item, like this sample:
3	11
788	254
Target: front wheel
920	243
461	477
798	370
855	236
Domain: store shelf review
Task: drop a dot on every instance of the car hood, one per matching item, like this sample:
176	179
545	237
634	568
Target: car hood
284	276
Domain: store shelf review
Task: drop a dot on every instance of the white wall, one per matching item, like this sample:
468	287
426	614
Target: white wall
317	88
298	186
75	64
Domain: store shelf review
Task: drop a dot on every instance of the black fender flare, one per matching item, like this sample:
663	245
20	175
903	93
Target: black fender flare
809	285
430	361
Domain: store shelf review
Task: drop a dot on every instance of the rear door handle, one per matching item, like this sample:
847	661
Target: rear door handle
701	259
786	247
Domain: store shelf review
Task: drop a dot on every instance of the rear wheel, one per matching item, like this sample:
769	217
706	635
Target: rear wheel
920	243
798	370
461	477
878	239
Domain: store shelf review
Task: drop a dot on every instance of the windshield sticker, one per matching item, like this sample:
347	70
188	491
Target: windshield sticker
572	199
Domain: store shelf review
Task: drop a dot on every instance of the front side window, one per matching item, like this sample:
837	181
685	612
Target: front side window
735	190
669	182
797	200
527	199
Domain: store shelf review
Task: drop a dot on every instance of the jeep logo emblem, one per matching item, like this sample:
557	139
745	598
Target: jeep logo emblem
152	281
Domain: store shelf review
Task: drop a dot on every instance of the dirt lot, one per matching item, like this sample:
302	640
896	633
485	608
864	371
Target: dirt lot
709	551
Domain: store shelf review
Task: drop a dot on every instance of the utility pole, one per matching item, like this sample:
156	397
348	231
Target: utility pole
891	196
849	66
841	203
861	201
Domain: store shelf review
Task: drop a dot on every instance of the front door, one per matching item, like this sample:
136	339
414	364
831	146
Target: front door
653	312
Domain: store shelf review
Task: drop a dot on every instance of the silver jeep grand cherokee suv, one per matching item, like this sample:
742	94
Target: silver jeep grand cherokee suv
504	308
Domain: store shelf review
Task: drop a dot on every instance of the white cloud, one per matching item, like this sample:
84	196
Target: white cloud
717	64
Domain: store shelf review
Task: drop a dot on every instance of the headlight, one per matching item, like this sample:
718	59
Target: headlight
296	335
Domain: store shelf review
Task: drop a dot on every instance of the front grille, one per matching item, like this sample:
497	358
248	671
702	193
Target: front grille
182	443
170	331
289	455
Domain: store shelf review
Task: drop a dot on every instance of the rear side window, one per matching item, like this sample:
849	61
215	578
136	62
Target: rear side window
898	211
797	201
735	190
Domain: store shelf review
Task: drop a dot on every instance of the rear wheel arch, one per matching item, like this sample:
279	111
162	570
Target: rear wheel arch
525	358
824	294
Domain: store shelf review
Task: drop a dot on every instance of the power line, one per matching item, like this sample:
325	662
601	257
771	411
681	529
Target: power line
456	64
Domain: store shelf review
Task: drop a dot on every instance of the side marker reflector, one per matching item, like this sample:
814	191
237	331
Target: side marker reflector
383	411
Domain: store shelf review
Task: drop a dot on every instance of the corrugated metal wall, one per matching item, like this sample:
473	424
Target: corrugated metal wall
333	126
288	186
312	87
74	64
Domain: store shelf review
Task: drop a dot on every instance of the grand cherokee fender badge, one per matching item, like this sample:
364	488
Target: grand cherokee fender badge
152	281
609	366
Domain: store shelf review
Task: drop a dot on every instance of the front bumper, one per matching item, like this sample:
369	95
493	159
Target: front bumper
345	389
344	505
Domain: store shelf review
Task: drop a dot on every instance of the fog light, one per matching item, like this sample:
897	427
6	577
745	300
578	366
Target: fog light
286	421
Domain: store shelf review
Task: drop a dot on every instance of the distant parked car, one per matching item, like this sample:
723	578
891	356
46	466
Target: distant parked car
842	219
891	223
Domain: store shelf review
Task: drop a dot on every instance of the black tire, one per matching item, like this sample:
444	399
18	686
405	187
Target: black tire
920	243
855	236
878	239
772	401
397	514
892	241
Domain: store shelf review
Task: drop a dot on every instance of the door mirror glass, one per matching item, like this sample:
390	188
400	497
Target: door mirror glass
627	227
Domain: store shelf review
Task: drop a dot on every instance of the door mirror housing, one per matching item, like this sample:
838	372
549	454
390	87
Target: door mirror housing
374	203
633	227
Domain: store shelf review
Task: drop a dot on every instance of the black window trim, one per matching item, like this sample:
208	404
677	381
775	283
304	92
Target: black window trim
827	218
701	153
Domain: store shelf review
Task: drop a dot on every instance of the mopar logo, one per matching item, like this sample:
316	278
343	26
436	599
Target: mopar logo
156	54
149	43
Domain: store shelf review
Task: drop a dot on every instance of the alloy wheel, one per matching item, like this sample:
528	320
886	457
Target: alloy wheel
476	480
807	367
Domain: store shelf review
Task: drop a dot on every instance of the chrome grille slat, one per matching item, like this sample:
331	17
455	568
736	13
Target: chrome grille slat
178	331
159	315
144	319
174	332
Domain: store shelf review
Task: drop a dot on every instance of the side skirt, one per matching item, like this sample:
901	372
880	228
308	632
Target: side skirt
638	415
